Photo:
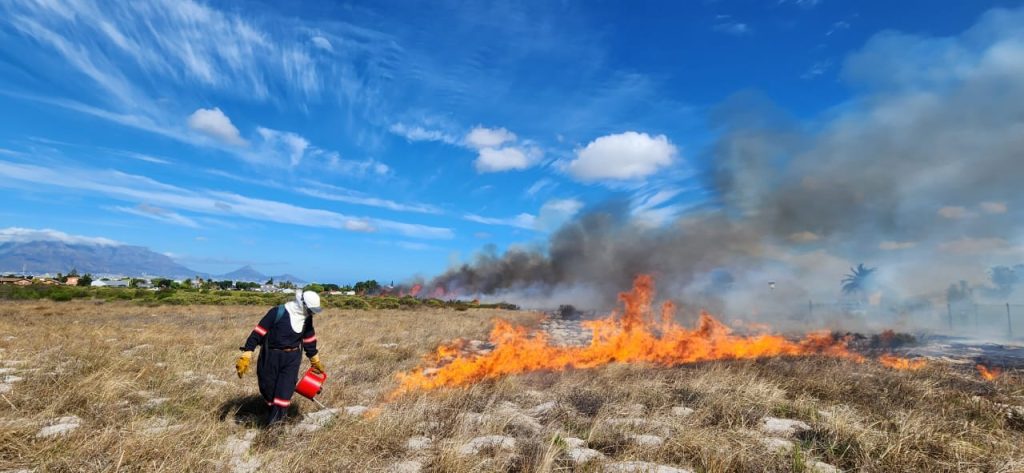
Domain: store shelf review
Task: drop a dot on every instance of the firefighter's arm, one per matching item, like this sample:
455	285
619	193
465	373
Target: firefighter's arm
309	345
258	332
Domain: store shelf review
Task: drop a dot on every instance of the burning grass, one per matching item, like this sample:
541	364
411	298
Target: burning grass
153	390
637	334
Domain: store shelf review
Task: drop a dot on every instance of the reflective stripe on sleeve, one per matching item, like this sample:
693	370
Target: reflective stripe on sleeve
311	339
260	330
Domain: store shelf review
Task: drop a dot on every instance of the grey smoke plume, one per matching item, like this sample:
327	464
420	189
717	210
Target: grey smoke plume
920	174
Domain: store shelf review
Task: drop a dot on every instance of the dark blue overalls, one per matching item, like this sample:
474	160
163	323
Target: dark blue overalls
277	368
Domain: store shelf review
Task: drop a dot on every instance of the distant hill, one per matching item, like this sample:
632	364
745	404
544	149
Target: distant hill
54	256
45	256
249	274
245	273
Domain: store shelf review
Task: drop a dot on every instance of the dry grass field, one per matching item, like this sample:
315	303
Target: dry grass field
119	387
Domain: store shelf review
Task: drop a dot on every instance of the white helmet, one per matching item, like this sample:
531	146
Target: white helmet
309	300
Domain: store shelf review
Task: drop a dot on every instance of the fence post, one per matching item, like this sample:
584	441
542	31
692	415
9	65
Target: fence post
1009	324
949	310
810	309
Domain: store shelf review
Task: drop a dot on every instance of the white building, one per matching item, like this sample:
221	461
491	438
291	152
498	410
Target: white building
110	283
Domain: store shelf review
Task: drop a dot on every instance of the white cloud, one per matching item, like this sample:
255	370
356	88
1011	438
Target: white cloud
332	161
214	123
481	137
733	27
651	207
322	43
339	194
817	69
505	159
158	214
954	212
896	245
134	188
419	133
624	156
993	207
539	186
290	144
415	246
803	237
837	27
145	157
494	156
551	215
973	246
801	3
523	220
23	235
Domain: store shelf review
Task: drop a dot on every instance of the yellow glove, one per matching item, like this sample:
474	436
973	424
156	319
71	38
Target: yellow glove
318	367
242	365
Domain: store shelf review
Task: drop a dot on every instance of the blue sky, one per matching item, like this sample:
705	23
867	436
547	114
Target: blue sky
339	141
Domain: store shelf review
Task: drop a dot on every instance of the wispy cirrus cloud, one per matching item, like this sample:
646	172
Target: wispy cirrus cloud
334	193
158	214
421	133
133	56
134	188
338	194
728	25
22	235
550	215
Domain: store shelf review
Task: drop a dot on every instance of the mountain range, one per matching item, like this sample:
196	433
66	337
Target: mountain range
53	256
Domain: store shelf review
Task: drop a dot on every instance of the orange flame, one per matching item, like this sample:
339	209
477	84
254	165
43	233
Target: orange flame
635	336
897	363
990	374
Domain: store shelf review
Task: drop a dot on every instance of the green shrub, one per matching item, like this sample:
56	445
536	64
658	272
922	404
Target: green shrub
353	302
386	303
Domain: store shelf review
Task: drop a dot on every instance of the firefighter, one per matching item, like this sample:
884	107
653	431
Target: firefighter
282	333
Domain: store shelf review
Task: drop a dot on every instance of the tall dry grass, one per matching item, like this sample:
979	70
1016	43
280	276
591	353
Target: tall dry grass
112	365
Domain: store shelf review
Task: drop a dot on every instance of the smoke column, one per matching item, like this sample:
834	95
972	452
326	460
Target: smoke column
919	174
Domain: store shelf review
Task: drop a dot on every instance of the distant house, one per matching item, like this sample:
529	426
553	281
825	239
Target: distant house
16	281
72	281
47	281
112	283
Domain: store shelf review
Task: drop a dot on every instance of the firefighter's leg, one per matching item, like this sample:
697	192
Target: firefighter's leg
287	375
278	406
265	377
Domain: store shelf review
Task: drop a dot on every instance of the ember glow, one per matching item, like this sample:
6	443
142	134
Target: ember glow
990	374
638	333
897	363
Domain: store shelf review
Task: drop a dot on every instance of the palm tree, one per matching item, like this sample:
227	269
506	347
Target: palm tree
858	280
